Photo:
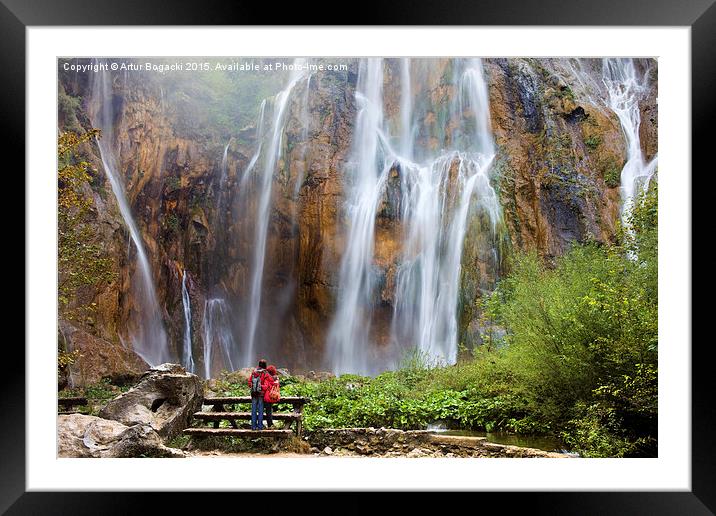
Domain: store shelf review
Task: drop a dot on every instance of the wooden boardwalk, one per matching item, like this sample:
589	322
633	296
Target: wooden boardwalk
219	412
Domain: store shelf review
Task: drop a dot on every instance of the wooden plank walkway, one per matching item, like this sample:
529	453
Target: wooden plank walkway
213	416
219	413
233	400
238	432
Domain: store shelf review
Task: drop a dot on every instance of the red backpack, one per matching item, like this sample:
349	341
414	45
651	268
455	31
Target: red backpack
274	393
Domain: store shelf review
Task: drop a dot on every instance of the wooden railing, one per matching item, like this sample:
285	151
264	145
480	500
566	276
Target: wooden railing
219	412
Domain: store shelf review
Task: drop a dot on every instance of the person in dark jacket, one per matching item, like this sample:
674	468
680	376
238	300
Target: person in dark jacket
257	383
268	406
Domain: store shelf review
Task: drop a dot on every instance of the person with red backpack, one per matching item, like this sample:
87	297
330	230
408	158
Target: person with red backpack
271	394
258	383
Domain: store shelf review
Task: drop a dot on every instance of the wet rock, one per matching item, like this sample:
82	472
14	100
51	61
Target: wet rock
165	398
80	435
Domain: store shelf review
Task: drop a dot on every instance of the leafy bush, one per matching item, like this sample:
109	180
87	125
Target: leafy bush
583	337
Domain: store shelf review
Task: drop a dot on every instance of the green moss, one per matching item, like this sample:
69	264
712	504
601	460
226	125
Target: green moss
593	141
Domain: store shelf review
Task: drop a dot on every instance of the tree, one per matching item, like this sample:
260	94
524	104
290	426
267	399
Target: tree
81	261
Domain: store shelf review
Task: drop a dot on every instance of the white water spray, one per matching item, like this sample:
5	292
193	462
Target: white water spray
217	335
187	357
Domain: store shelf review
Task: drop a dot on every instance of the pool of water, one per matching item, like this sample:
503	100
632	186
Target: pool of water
541	442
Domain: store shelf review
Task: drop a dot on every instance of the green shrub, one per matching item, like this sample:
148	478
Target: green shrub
612	177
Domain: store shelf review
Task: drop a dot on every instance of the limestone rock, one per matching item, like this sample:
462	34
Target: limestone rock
165	398
80	435
99	359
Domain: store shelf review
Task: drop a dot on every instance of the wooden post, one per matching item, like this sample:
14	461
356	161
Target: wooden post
217	408
298	410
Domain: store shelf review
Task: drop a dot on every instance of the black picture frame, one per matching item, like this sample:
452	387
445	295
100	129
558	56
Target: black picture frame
700	15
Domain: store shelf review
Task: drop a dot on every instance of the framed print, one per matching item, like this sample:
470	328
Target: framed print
435	254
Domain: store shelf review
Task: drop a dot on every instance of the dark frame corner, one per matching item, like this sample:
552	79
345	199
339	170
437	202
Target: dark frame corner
700	15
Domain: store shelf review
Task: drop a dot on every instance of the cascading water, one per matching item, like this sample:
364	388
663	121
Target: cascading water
225	164
263	209
437	189
347	343
149	338
625	88
436	203
259	139
217	335
187	357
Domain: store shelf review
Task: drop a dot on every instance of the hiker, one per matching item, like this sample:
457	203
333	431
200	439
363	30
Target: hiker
258	385
271	394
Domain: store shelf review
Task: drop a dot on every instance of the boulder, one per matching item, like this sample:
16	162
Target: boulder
80	435
320	376
165	399
98	359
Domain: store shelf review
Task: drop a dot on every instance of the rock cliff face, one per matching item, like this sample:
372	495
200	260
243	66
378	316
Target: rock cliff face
559	152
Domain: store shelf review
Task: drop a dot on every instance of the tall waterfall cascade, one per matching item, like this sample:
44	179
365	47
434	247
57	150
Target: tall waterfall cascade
438	189
273	154
148	335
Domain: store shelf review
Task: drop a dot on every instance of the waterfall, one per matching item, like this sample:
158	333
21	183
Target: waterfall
187	358
217	335
224	166
436	200
347	343
264	205
259	145
149	339
625	88
406	110
437	192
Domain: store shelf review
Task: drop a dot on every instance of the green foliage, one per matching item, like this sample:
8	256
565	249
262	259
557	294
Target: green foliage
583	336
66	358
565	92
97	394
82	261
612	177
593	141
216	103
